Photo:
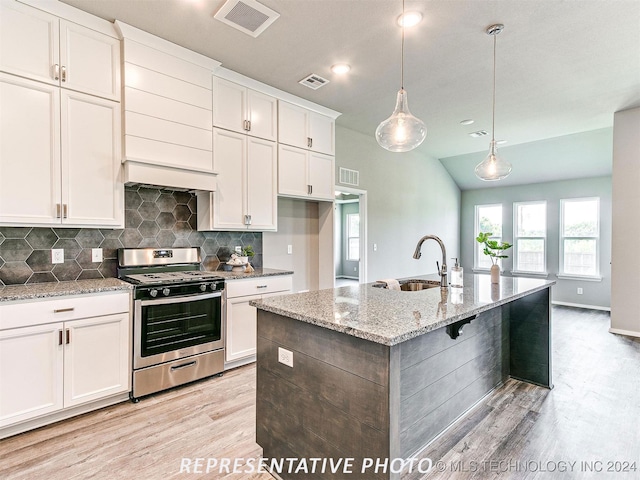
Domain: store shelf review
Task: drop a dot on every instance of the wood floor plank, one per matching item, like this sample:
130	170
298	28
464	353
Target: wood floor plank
591	415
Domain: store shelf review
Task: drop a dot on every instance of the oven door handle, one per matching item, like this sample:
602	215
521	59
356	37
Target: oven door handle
187	298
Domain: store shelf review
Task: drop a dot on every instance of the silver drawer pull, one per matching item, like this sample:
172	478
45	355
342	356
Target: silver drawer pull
62	310
261	286
184	365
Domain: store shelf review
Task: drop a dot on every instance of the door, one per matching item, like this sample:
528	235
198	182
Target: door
91	191
29	43
229	153
321	133
96	358
89	61
229	105
292	171
241	332
292	125
31	361
262	114
262	200
321	176
30	175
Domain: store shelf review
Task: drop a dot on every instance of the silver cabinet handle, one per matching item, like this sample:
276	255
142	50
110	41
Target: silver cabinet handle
65	209
261	286
62	310
58	210
309	142
68	336
64	73
56	72
311	189
184	365
249	219
249	123
59	337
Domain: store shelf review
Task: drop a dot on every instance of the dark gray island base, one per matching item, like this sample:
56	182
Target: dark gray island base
378	374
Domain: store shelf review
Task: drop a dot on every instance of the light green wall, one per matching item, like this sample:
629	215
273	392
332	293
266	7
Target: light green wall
409	195
595	293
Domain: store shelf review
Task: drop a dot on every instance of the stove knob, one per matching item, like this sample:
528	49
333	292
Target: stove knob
153	292
166	292
213	286
203	287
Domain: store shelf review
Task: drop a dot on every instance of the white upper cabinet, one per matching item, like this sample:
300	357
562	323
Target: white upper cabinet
40	46
305	174
244	110
303	128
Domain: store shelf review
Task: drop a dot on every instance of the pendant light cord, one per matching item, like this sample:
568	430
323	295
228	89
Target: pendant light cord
402	51
493	120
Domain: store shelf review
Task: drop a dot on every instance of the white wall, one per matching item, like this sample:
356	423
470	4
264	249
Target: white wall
409	195
625	267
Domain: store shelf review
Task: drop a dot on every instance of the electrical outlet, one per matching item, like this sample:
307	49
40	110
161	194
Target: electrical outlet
355	269
57	255
285	356
375	247
289	249
579	291
238	249
96	255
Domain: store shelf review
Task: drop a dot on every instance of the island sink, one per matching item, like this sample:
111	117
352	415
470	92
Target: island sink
413	285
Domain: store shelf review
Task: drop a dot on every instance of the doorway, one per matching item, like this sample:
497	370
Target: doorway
350	231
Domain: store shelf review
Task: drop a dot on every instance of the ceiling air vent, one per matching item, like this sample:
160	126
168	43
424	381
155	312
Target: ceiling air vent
248	16
314	81
479	133
349	177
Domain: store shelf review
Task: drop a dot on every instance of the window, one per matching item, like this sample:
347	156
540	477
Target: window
580	236
488	220
530	235
353	236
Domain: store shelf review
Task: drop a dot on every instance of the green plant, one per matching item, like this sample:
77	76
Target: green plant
248	251
493	248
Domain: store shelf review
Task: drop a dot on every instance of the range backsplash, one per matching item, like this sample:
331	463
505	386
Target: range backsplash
153	218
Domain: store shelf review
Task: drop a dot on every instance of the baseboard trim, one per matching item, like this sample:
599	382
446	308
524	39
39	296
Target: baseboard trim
581	305
628	333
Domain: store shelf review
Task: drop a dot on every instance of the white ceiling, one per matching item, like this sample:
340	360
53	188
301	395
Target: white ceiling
563	66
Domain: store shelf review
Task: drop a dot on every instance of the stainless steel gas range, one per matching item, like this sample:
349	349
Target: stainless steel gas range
177	319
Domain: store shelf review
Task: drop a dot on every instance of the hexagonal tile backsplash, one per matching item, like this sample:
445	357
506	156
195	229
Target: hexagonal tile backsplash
153	218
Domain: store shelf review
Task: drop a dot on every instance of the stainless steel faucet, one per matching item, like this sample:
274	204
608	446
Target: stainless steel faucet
441	271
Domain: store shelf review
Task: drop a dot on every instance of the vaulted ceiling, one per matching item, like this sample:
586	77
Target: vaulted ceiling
563	67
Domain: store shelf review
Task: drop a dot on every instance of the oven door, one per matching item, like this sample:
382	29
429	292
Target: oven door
171	328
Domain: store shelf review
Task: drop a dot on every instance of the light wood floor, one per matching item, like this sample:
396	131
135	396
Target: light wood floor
592	414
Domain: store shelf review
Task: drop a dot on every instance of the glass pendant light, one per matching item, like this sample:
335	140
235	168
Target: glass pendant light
401	132
493	167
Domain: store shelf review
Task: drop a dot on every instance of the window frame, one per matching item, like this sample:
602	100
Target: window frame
562	237
516	268
349	237
476	231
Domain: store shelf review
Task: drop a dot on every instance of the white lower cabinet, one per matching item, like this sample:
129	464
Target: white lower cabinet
48	367
241	318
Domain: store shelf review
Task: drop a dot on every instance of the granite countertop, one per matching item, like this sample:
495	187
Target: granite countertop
258	272
57	289
391	317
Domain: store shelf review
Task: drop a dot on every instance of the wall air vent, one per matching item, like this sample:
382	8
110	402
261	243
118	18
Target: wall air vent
314	81
248	16
479	133
349	177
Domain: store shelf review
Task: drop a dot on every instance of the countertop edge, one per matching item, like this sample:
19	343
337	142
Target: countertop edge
391	341
36	291
258	273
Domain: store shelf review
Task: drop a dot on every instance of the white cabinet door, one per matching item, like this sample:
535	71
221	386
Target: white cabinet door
30	172
89	61
262	115
293	124
31	360
241	328
92	192
321	176
262	195
96	358
292	171
229	153
29	42
229	105
321	132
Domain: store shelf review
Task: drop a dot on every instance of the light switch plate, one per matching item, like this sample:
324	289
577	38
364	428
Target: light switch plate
57	255
96	255
289	249
238	249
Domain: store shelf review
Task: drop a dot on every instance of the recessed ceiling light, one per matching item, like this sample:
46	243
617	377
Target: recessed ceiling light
468	121
409	19
501	142
340	68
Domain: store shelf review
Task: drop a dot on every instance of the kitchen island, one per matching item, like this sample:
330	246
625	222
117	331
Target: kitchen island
374	375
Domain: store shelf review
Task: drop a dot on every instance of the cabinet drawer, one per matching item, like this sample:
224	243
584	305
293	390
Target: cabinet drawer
258	286
42	311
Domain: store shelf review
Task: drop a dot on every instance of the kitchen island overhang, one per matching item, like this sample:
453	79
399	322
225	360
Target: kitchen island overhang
378	374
